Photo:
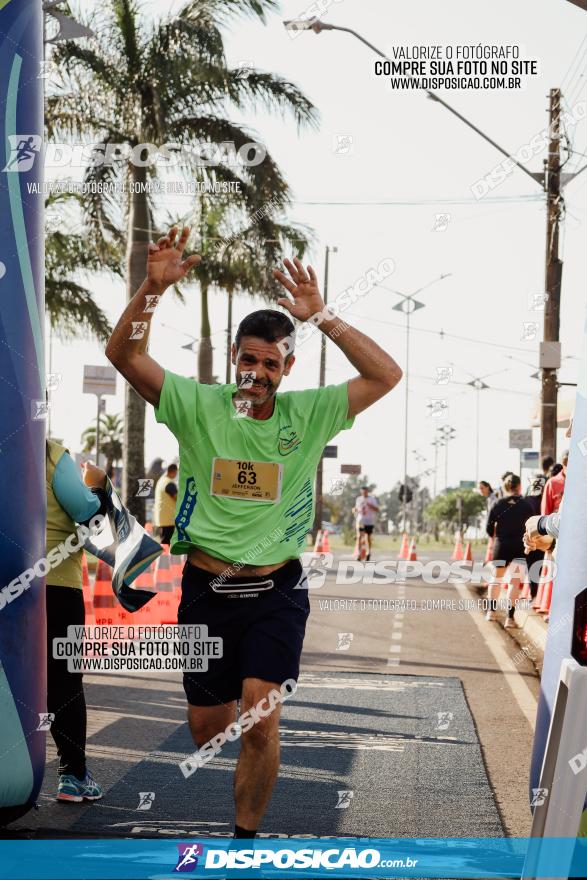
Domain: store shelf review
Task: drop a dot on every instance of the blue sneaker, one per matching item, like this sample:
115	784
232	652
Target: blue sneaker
72	789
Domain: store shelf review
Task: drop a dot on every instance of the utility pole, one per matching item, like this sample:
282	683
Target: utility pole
322	382
553	277
229	339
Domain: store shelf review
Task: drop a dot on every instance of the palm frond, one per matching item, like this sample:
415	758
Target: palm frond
73	312
223	10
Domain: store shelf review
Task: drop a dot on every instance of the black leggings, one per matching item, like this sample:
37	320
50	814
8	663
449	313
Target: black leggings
65	692
532	558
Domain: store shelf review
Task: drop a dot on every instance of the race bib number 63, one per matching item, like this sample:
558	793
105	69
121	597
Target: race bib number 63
246	480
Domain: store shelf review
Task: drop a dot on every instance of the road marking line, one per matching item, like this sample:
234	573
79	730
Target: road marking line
397	635
492	638
397	624
393	661
395	649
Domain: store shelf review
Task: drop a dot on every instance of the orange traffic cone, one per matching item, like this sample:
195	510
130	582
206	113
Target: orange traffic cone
147	615
404	549
164	585
325	542
177	565
90	619
539	594
547	592
468	557
457	553
489	553
318	548
412	557
106	608
525	594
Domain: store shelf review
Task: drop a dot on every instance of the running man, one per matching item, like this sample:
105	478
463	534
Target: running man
366	509
245	499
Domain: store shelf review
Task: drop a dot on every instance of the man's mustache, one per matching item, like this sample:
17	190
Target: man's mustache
256	385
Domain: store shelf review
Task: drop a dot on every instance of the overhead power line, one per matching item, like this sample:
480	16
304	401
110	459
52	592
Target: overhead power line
443	334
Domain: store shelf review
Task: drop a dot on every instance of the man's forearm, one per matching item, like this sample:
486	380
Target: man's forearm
365	355
130	337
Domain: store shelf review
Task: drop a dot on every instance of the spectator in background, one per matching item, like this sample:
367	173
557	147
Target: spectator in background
499	493
542	531
71	499
488	493
506	524
164	508
554	489
534	496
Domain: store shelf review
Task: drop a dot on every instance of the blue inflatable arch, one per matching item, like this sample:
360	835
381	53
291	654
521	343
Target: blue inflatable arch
22	394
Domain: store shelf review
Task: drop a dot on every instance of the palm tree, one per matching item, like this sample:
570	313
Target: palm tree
158	82
237	257
69	256
111	433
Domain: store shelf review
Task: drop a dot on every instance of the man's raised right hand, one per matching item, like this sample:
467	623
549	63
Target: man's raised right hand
164	263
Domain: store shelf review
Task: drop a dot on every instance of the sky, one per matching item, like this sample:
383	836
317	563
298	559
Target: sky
374	180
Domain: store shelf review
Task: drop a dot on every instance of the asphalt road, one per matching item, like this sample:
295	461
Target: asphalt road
411	719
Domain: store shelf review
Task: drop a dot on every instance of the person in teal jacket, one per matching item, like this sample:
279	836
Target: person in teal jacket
70	500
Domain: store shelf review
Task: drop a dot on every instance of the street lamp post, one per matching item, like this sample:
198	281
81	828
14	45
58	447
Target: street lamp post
408	305
437	443
322	382
448	434
479	385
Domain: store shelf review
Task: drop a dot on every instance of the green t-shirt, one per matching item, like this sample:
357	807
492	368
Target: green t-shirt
203	419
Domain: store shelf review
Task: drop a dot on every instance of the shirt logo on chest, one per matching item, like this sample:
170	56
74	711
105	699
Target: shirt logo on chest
288	440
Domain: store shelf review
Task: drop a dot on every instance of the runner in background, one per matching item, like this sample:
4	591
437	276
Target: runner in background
164	507
366	509
506	523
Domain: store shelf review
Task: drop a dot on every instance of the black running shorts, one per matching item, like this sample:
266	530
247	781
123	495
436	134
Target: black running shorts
261	621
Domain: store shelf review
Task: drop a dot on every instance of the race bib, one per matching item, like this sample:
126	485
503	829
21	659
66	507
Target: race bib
246	480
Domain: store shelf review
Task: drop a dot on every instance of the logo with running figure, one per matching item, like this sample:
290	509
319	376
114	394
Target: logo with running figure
187	859
23	151
288	440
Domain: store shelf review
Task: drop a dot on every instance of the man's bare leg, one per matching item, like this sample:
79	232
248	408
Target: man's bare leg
258	762
206	721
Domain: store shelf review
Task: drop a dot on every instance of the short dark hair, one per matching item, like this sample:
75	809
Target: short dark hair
547	462
172	466
267	324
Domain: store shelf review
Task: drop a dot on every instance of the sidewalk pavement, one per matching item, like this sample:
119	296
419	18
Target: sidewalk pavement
530	633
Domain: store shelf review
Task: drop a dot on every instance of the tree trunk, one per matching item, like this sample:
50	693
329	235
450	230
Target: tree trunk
139	235
205	354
